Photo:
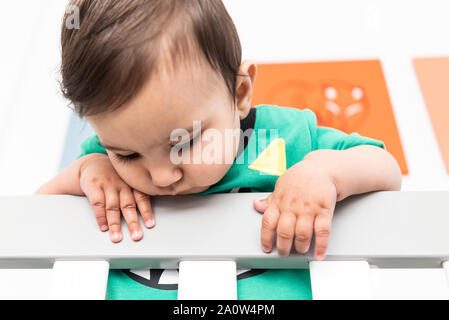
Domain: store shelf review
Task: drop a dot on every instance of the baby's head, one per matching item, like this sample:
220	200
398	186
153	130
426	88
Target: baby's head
145	74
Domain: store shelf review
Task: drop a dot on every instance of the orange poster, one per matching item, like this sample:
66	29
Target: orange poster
351	96
433	77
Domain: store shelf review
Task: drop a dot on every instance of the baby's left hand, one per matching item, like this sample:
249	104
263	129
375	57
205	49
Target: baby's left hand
301	204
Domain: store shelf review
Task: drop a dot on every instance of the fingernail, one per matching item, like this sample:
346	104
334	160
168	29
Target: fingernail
116	236
266	249
304	250
320	257
104	227
137	234
149	223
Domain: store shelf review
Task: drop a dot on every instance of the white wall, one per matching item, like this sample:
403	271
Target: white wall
32	113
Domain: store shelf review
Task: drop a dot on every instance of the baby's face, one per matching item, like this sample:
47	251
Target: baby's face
141	131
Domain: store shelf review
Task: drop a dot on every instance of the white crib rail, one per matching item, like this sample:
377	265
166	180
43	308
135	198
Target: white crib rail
383	229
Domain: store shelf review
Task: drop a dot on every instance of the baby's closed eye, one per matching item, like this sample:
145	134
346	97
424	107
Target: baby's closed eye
126	158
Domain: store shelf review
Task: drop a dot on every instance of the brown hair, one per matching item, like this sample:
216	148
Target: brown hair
118	46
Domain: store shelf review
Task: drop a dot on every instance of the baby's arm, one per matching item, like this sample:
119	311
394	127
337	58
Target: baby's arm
68	180
359	169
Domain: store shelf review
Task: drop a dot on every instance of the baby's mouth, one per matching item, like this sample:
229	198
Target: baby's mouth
185	191
175	191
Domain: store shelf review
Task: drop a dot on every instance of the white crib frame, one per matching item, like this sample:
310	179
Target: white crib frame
379	241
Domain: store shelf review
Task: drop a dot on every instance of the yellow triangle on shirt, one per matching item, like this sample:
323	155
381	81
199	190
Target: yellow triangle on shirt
272	159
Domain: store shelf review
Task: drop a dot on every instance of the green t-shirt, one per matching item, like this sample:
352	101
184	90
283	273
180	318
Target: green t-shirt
301	134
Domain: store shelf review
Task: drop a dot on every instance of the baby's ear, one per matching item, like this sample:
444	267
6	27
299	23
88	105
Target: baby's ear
244	86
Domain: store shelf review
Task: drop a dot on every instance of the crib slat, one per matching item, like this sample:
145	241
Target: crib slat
207	280
357	280
79	280
25	284
409	284
340	280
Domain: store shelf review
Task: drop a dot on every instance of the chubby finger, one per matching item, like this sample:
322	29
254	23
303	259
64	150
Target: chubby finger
322	230
261	205
97	201
285	233
113	214
146	211
129	211
269	223
303	233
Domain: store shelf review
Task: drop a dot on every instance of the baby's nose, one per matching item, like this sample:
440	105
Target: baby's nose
165	177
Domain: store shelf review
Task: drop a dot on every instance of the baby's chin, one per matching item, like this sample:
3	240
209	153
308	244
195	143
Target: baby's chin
195	190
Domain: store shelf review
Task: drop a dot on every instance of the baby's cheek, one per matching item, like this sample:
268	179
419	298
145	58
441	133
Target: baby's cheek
207	174
217	156
135	177
219	150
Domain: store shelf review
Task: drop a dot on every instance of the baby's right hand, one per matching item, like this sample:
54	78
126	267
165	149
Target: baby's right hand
108	194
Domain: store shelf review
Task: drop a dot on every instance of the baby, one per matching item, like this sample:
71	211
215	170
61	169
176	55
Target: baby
162	82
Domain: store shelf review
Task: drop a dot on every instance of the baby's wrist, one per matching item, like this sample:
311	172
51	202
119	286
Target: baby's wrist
329	161
88	159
